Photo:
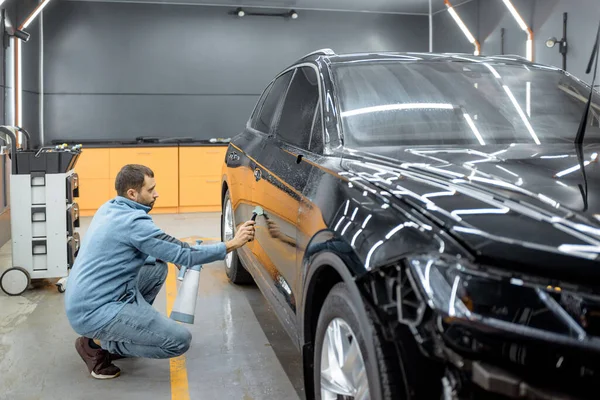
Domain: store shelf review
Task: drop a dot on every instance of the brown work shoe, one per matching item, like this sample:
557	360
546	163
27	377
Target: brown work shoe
97	360
114	356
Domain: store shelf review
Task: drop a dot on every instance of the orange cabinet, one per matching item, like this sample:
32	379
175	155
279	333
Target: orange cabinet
161	160
93	193
200	192
188	179
93	164
200	178
94	182
201	161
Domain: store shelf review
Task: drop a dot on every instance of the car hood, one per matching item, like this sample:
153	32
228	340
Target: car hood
507	203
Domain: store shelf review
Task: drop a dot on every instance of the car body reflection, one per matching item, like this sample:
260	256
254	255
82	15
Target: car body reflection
455	211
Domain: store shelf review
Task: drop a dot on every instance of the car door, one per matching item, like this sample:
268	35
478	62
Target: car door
240	160
281	177
243	153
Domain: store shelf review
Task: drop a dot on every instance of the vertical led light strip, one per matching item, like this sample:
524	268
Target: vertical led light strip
523	27
34	14
430	26
463	28
17	88
17	68
12	79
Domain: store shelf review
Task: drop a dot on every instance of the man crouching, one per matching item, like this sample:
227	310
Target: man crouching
120	268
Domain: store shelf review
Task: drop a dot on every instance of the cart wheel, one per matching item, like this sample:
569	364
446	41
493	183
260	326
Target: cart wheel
61	285
14	281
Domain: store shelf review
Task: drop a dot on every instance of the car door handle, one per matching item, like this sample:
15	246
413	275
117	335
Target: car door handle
257	174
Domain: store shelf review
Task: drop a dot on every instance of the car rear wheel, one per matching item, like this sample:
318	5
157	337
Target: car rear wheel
233	266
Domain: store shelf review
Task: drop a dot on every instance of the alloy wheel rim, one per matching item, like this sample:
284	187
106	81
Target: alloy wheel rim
343	372
228	235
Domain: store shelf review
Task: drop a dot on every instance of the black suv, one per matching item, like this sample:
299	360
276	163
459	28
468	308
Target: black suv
426	226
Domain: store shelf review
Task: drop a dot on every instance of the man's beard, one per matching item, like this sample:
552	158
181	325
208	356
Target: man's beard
147	204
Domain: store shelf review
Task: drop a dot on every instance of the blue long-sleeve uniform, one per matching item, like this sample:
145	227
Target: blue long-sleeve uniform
120	238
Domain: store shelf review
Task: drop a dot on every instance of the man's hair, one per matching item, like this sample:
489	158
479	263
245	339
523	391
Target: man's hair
131	176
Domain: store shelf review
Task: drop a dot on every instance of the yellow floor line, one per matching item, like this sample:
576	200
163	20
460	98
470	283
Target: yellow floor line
179	379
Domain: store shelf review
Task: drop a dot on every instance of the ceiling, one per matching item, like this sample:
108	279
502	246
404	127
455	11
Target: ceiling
379	6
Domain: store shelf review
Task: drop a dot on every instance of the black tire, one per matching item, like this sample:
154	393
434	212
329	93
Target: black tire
386	377
236	272
381	374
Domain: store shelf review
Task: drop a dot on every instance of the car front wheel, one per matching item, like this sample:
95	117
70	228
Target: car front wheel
233	266
346	368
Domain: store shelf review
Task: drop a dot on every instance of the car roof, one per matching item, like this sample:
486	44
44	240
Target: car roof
334	58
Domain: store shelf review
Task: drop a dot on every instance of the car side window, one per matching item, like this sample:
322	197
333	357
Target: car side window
278	89
316	138
259	104
298	111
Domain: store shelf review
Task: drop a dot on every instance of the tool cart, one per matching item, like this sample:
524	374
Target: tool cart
44	215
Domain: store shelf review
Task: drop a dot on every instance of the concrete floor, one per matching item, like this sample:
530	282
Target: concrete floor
239	349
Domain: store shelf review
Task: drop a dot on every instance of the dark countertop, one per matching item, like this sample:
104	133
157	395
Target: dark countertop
98	144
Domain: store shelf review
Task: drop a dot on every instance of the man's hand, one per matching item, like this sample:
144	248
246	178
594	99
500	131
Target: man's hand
244	235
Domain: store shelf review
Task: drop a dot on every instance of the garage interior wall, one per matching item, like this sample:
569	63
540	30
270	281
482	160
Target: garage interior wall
546	19
4	209
14	14
447	36
118	71
486	18
30	81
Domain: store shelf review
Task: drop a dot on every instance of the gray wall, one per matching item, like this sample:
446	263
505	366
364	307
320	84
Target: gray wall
4	210
486	18
447	36
493	16
30	59
583	15
16	12
118	71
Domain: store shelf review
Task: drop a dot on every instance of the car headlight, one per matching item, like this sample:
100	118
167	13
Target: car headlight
499	303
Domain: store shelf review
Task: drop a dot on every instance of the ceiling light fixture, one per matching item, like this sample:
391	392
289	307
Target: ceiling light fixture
523	27
464	28
240	12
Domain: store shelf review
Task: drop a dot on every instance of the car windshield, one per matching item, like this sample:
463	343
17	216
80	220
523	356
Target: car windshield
449	103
